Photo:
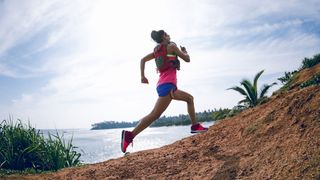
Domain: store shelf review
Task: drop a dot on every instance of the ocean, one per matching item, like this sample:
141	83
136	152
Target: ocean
101	145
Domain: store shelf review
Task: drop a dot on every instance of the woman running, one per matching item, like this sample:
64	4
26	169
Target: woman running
167	65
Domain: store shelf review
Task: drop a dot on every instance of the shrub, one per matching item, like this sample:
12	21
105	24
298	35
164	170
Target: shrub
220	114
252	128
309	62
236	110
287	77
315	80
23	147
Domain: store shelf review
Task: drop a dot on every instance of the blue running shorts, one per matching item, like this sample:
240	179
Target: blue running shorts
164	89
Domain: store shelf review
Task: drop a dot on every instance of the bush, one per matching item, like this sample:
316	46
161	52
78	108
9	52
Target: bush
287	77
309	62
236	110
315	80
23	147
220	114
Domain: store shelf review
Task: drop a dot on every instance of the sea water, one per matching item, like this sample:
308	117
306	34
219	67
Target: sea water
101	145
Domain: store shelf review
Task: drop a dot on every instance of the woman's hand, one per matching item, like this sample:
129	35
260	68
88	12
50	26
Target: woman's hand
142	66
183	49
144	80
183	54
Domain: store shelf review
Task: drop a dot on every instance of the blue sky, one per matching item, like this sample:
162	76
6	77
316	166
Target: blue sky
69	64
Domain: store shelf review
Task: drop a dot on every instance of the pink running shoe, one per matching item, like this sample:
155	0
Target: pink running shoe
198	128
126	139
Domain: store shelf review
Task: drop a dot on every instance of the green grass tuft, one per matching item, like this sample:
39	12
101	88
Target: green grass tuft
23	148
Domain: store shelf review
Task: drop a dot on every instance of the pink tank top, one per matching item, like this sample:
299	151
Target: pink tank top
168	76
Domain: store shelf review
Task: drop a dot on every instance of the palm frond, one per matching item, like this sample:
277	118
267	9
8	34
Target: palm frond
245	102
255	81
251	93
239	89
265	89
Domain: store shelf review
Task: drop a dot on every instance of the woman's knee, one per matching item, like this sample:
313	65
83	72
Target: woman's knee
190	99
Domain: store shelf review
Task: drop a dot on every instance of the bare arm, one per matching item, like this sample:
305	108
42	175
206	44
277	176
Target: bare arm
183	54
142	66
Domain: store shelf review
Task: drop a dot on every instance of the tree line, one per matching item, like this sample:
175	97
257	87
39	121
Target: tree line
182	119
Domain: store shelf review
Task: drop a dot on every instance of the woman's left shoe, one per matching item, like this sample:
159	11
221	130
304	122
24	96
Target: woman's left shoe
198	128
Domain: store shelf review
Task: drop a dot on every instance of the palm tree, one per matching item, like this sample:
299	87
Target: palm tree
250	91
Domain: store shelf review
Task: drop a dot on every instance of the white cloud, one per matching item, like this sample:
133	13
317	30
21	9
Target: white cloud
4	70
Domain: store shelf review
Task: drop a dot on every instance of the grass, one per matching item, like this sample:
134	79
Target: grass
6	172
24	148
251	128
269	118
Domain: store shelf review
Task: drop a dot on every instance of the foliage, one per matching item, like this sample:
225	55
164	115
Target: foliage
250	91
252	128
310	62
182	119
6	172
287	77
221	113
23	147
288	84
225	113
113	125
315	80
59	153
236	110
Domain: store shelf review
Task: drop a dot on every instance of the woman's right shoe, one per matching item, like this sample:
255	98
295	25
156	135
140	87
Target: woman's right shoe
126	139
198	128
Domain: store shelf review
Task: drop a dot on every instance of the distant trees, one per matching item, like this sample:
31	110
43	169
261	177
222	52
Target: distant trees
250	91
182	119
113	125
204	116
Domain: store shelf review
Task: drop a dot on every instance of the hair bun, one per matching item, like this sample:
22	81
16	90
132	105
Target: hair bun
156	36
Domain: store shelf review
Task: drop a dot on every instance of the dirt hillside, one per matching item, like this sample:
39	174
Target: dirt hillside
277	140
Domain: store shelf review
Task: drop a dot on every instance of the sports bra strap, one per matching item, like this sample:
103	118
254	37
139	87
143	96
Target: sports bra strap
171	56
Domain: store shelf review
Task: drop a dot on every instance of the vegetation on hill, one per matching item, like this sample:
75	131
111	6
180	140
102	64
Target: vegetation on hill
23	147
289	80
310	62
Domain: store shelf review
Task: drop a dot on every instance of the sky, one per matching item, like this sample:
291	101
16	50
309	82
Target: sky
71	63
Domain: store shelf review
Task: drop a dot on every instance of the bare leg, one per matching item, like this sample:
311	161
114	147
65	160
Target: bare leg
188	98
160	106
